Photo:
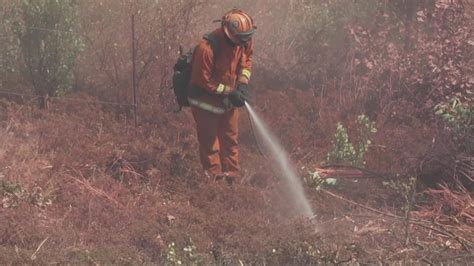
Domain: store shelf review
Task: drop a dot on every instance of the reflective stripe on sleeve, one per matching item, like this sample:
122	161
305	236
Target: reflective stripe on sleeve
247	73
220	89
206	106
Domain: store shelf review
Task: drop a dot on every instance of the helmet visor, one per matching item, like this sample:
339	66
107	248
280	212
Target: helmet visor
245	36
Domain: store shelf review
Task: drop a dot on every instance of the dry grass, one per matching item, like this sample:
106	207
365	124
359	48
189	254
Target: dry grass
81	187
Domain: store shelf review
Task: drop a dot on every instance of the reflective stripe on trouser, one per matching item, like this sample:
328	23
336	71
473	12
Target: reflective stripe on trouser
218	140
206	106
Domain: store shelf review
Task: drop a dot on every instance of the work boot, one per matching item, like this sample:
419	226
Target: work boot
214	177
218	178
231	178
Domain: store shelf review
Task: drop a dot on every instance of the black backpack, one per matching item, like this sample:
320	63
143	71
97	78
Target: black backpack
183	69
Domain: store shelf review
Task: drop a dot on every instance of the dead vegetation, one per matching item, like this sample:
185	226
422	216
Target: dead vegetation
80	184
109	195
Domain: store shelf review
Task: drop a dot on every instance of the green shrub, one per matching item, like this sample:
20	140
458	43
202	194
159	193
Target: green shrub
49	44
458	115
12	194
343	150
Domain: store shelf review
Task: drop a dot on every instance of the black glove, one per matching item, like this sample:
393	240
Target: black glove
227	103
240	95
244	90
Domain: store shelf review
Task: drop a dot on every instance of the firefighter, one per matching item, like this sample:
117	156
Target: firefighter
218	87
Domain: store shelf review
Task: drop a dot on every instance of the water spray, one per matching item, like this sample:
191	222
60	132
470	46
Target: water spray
278	153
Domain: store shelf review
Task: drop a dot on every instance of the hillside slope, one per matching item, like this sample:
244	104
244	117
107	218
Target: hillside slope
78	185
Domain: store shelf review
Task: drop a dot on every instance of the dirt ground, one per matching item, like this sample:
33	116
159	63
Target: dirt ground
80	187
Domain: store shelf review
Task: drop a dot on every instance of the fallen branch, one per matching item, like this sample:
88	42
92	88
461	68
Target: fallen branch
361	171
95	191
33	256
422	223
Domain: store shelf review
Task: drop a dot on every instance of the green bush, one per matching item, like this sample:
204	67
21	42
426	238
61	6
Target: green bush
49	44
343	150
458	115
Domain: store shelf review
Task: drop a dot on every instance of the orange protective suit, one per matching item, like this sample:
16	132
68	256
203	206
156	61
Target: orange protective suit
215	76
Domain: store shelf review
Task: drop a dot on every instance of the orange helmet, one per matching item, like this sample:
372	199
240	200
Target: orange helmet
238	26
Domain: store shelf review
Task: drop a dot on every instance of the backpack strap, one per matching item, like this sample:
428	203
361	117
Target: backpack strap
215	45
214	42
